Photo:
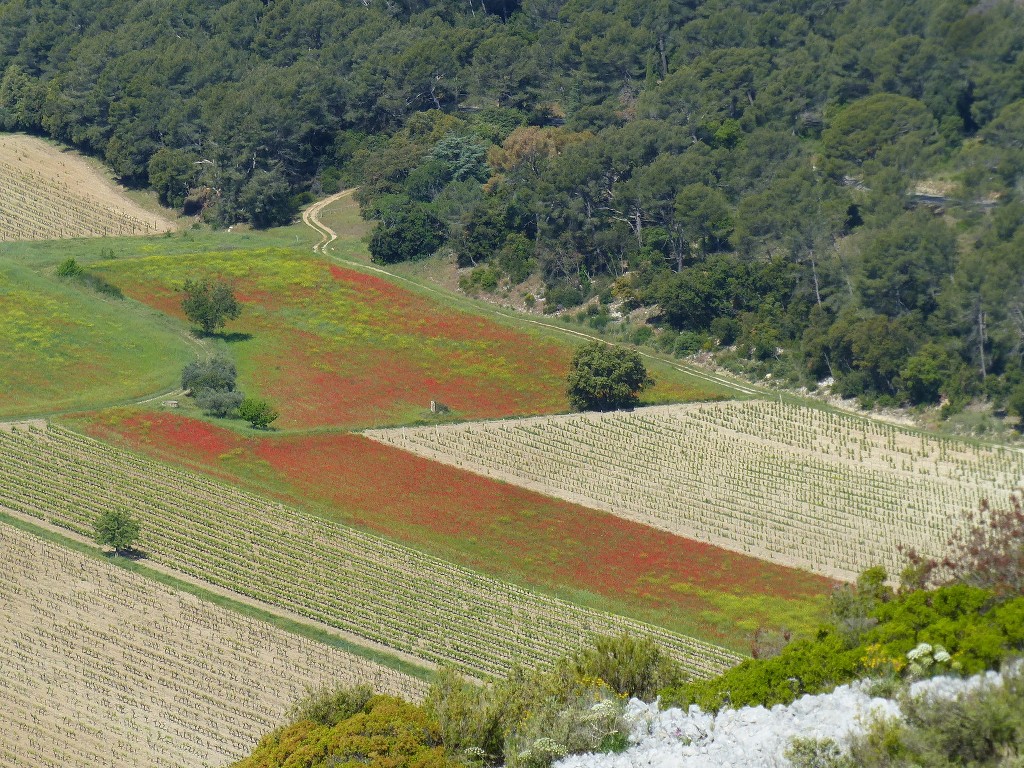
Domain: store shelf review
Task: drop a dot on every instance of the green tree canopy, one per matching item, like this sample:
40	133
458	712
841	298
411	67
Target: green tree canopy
216	372
209	305
408	231
603	377
117	529
893	131
259	413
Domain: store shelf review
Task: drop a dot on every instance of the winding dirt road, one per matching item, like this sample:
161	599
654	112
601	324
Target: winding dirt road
311	218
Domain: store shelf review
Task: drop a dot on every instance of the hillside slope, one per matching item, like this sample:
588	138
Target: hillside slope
758	174
49	194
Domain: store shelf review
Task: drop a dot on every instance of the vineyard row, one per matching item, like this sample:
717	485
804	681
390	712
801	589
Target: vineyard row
363	584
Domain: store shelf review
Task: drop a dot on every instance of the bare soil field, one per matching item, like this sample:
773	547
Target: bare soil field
813	489
99	666
47	193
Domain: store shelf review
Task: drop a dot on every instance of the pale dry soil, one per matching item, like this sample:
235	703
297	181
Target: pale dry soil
47	192
103	667
825	492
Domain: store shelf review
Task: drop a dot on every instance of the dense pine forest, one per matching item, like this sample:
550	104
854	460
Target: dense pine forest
834	187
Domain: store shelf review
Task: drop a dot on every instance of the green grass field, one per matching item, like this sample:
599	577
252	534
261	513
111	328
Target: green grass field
336	347
65	346
478	359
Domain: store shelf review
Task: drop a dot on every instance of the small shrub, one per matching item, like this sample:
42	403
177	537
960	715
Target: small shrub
690	342
812	753
384	731
474	718
531	718
222	405
983	727
631	666
589	716
69	268
725	329
642	334
329	706
216	373
767	643
484	279
516	258
562	296
852	608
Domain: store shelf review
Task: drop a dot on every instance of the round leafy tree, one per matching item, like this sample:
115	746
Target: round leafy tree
603	377
257	412
209	305
116	529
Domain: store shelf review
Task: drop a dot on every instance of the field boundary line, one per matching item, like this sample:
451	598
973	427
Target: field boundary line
350	642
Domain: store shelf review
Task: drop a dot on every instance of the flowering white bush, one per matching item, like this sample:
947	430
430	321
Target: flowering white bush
924	656
921	652
590	721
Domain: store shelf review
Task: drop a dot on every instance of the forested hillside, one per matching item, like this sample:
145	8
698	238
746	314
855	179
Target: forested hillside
840	180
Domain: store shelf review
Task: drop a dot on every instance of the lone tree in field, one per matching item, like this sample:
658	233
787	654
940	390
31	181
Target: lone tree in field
257	412
117	529
604	377
209	305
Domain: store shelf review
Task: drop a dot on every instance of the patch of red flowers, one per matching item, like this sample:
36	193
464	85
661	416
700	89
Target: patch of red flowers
499	528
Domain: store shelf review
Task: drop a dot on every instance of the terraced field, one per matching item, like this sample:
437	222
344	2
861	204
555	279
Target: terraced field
331	346
361	583
512	534
823	491
99	666
47	194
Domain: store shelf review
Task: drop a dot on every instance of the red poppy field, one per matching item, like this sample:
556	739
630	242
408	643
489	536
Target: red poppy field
588	556
335	347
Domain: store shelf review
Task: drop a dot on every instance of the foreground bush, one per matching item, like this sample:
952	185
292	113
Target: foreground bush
526	720
530	719
378	732
953	629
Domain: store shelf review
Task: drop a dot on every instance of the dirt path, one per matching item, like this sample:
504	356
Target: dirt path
311	217
235	596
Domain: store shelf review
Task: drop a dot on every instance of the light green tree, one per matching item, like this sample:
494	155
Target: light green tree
257	412
117	529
